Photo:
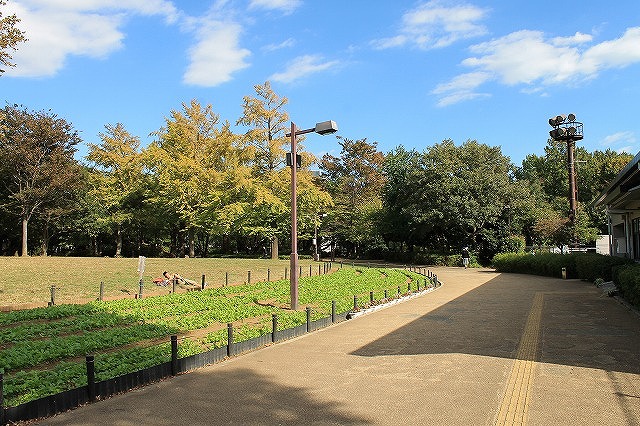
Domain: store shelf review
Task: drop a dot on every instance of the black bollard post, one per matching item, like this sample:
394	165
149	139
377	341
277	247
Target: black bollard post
333	311
310	270
101	297
285	273
268	275
399	290
229	339
203	282
308	318
1	399
319	270
408	287
300	276
386	294
249	277
140	290
371	296
226	279
53	295
341	264
174	355
355	302
91	377
274	327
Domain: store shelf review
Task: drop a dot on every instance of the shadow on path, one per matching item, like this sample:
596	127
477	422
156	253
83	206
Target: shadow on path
233	397
579	327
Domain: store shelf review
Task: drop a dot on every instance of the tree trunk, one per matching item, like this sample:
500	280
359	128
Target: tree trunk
94	245
206	246
274	248
44	245
25	222
118	241
192	243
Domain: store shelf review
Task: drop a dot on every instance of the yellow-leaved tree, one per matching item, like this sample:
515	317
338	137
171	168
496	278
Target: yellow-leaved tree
198	164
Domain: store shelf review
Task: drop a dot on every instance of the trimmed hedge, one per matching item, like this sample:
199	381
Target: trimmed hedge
433	259
627	279
586	266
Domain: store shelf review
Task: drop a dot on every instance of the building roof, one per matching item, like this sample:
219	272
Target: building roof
624	187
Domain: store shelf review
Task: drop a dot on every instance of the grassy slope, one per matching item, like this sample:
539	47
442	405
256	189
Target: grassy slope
28	280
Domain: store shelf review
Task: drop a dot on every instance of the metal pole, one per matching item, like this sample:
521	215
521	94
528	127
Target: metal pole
229	339
91	377
274	327
1	399
572	180
174	355
294	222
101	298
315	240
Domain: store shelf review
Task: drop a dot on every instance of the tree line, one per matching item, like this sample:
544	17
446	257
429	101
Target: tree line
201	189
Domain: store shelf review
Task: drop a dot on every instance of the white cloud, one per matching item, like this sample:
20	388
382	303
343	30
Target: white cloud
619	138
57	29
529	59
286	6
216	55
436	24
284	45
627	150
303	66
461	88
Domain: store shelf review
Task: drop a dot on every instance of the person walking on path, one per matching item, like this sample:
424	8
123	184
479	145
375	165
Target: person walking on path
465	257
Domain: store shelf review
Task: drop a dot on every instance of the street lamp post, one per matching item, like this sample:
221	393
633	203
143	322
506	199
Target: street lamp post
293	161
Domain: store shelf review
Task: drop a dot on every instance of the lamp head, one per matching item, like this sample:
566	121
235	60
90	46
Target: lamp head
326	127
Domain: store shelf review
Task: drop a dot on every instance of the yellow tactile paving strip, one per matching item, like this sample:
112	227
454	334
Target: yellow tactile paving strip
515	403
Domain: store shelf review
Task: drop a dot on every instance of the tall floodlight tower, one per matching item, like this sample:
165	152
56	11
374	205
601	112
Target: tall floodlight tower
567	129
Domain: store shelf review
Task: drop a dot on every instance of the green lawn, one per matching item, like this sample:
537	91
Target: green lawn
77	279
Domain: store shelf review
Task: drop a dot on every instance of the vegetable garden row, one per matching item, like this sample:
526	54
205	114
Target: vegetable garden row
42	350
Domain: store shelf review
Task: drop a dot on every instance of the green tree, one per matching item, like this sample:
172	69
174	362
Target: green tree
594	171
10	37
355	181
451	196
397	222
116	180
38	168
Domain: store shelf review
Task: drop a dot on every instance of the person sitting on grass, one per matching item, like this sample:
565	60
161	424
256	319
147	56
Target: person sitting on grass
181	280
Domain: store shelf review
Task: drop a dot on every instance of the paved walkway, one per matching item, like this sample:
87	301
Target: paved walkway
484	349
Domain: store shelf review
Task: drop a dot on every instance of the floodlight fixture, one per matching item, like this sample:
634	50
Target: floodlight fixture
326	127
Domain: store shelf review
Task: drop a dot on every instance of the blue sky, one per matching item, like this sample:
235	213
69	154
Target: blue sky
398	72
